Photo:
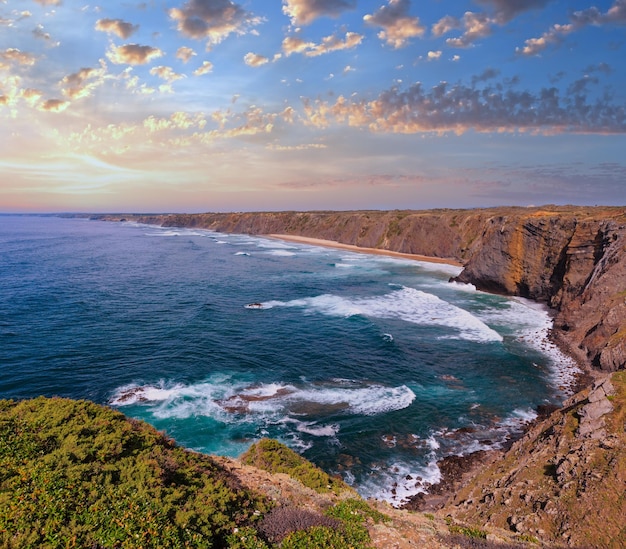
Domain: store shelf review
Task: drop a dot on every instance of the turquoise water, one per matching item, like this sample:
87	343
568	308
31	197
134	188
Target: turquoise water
371	367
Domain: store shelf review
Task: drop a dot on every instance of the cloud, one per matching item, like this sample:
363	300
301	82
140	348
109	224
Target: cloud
304	12
40	34
166	73
445	25
205	68
460	108
254	59
534	46
212	19
506	10
294	44
122	28
49	2
179	120
185	54
302	147
82	83
476	26
15	56
54	105
398	26
487	74
133	54
5	21
32	96
434	55
615	15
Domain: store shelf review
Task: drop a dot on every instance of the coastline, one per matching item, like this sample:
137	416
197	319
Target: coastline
372	251
457	471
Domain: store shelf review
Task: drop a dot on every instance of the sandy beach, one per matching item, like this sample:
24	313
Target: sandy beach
350	247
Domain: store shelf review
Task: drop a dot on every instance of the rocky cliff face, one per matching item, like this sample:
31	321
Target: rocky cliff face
575	261
565	480
572	258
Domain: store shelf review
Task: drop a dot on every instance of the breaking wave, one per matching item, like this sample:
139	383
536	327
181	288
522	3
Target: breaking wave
406	304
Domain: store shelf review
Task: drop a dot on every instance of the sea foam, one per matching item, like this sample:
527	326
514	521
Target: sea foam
407	304
229	401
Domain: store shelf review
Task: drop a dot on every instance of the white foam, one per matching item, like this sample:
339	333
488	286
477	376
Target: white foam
231	402
407	304
433	443
274	244
166	232
133	394
461	286
519	417
281	253
242	253
531	323
313	428
369	400
398	481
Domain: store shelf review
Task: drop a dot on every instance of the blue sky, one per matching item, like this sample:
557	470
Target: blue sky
221	105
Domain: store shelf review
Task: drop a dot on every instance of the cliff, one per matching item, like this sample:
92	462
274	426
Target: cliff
565	480
571	258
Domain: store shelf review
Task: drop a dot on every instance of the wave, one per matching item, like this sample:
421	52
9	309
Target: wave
407	304
280	253
228	401
182	232
396	482
530	324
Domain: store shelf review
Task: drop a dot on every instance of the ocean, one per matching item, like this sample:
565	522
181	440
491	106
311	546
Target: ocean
372	367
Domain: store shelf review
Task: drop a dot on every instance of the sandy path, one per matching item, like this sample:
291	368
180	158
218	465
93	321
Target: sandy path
350	247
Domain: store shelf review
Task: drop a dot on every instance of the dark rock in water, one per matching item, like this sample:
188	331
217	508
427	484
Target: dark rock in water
453	470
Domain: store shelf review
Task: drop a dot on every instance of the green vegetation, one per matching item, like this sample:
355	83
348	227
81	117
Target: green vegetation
74	474
320	537
274	457
468	531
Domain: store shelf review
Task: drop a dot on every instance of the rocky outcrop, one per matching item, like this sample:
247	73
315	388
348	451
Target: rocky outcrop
575	262
571	258
565	479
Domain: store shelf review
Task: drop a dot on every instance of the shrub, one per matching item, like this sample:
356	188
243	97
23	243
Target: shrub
274	457
281	521
75	474
319	537
468	531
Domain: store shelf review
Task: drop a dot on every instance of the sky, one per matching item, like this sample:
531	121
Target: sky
247	105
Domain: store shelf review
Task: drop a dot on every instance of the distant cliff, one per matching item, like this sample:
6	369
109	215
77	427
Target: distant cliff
572	258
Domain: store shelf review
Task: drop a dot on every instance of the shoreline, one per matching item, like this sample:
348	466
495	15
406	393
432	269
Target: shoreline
458	470
352	248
